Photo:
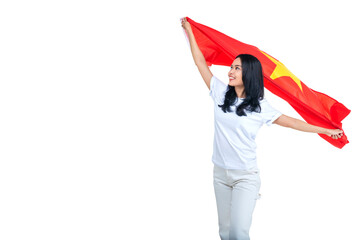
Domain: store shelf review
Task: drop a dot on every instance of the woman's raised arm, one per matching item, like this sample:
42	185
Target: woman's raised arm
197	54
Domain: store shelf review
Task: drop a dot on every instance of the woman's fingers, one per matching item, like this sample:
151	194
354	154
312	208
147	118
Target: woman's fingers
337	136
335	133
183	22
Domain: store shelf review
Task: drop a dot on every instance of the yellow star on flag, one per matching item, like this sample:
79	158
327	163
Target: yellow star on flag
281	71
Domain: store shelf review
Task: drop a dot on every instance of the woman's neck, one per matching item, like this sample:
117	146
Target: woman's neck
240	91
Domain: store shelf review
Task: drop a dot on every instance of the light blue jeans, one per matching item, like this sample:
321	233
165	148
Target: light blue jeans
236	192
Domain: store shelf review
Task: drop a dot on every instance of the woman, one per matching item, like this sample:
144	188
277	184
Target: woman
240	110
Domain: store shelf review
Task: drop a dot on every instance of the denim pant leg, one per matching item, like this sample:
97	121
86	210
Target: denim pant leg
236	192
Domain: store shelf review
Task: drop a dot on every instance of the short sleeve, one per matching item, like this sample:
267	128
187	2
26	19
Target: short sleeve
268	113
217	89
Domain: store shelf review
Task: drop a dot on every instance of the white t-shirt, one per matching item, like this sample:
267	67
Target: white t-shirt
234	136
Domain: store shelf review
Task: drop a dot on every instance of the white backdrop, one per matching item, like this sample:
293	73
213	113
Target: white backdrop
106	126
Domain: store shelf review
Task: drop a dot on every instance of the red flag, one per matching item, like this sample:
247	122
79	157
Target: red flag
316	108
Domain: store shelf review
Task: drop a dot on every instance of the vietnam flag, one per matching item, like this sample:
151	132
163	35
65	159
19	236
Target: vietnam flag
316	108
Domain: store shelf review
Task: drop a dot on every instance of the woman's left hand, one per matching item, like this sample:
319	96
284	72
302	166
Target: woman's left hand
334	133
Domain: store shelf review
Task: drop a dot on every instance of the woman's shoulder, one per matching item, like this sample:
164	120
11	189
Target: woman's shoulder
264	103
266	106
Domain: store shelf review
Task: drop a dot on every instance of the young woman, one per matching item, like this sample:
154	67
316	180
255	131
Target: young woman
240	110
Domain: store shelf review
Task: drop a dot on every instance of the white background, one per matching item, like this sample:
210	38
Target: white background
106	126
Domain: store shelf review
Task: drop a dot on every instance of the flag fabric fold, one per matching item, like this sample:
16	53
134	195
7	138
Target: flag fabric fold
314	107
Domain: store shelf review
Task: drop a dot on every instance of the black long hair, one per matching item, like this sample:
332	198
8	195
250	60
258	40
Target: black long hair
253	80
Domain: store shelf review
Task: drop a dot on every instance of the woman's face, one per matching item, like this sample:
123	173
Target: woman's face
235	73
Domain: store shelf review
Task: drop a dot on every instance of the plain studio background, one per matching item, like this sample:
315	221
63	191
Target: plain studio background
106	126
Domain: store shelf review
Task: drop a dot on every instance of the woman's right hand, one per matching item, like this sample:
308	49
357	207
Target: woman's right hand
185	24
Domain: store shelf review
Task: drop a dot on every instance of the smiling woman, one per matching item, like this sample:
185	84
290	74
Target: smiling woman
245	82
239	112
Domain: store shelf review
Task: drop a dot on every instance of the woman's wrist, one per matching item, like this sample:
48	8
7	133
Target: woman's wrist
188	29
325	131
